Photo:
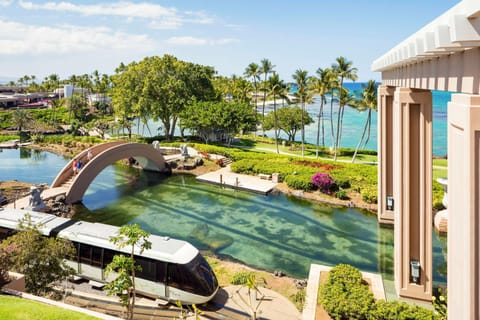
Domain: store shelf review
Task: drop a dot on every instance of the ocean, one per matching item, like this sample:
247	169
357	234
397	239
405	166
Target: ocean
354	121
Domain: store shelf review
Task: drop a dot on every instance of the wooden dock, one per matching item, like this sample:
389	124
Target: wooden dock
238	181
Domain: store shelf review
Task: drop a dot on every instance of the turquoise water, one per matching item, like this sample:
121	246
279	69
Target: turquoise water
268	232
354	121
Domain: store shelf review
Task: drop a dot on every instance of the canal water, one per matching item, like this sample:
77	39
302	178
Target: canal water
273	232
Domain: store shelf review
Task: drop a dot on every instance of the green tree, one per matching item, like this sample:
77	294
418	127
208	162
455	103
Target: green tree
332	84
320	86
304	94
21	119
160	87
130	237
56	104
266	67
289	120
41	259
218	119
368	102
344	70
276	88
253	71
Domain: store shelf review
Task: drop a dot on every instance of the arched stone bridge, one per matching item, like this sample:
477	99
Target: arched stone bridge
104	155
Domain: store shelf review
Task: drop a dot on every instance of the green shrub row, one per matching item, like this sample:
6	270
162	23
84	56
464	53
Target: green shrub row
299	182
344	295
4	138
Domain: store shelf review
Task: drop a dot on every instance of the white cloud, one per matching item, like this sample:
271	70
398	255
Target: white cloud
162	17
5	3
192	41
17	38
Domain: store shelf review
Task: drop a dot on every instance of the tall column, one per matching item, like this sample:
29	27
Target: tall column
385	154
464	207
412	192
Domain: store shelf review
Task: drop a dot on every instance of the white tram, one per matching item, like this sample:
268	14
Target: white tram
172	269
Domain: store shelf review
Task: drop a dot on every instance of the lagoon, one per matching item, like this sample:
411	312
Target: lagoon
274	232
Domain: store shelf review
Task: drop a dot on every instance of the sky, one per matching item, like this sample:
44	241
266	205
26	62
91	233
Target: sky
77	37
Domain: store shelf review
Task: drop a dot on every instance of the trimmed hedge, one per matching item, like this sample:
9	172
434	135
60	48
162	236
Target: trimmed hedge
344	295
299	182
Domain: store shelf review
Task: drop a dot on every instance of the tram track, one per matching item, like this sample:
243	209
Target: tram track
210	311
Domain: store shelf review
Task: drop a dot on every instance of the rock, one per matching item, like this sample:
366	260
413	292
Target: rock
60	198
300	284
278	273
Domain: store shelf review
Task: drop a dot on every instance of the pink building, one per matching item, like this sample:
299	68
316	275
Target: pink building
444	55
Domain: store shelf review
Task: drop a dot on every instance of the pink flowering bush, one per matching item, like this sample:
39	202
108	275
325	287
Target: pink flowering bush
324	182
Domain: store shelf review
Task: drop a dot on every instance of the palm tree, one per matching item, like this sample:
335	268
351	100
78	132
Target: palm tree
276	88
253	70
57	103
344	70
332	84
320	86
265	68
368	101
21	119
303	93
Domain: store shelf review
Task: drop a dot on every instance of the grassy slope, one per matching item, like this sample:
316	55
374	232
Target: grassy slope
20	309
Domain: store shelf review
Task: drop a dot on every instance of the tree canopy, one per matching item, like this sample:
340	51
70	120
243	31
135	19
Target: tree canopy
160	88
130	236
213	120
40	259
289	120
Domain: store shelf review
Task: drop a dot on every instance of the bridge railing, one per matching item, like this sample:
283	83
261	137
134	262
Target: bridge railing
67	172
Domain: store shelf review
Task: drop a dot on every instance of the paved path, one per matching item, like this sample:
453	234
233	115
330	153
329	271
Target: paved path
238	181
46	194
273	306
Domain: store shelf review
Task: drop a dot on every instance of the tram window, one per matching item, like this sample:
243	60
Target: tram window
5	233
161	271
108	256
180	277
85	253
148	268
97	256
196	276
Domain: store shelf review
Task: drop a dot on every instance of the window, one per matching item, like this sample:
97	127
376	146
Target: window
196	277
97	256
85	253
161	271
148	268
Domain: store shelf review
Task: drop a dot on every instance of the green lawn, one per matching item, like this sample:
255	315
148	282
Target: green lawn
440	162
309	152
14	308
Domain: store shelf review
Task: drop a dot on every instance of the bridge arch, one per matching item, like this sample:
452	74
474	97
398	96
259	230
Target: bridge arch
104	155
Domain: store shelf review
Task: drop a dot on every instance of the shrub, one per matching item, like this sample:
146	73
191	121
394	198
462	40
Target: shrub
241	277
343	183
393	310
299	182
341	194
323	182
440	303
298	298
369	195
344	296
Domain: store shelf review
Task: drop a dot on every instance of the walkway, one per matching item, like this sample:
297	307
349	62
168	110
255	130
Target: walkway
238	181
46	194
